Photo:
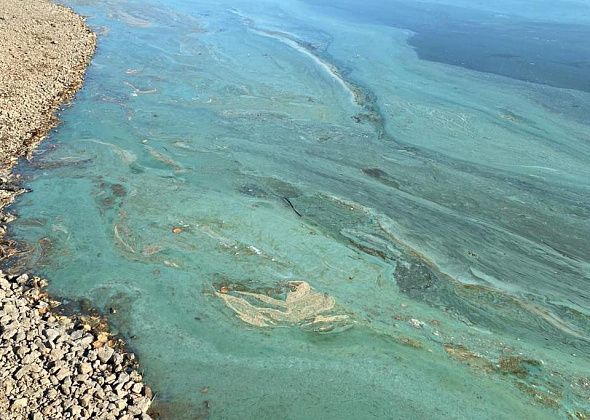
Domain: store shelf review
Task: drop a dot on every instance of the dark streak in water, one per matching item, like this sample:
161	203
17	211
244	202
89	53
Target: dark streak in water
292	206
381	176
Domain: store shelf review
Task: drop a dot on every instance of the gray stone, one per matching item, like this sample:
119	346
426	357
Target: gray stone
85	368
21	372
19	404
105	353
51	334
86	341
118	358
143	404
76	335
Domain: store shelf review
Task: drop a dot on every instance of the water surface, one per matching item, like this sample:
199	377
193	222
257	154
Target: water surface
240	147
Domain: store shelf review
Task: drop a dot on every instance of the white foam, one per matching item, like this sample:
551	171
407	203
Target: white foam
328	68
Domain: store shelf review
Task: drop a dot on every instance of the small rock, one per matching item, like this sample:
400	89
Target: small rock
76	335
105	353
19	404
76	411
21	372
22	351
143	404
57	353
123	378
416	323
118	358
86	340
137	387
85	368
85	401
51	334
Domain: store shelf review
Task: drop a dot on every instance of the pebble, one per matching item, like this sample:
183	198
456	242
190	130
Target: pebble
137	388
19	404
51	334
61	374
105	353
86	340
48	374
416	323
85	368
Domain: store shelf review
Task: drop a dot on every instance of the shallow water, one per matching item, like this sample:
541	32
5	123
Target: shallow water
237	147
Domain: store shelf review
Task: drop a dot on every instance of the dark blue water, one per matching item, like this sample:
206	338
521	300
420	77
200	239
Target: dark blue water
555	54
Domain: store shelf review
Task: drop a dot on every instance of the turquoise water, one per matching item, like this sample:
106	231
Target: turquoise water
441	216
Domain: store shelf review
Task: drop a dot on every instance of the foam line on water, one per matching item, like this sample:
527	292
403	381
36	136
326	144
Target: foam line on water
291	41
327	67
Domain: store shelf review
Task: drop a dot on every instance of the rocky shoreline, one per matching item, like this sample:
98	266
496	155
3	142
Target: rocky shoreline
52	365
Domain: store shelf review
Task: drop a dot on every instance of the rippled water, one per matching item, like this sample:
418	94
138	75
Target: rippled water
439	215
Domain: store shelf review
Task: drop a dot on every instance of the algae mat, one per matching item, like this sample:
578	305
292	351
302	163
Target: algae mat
288	214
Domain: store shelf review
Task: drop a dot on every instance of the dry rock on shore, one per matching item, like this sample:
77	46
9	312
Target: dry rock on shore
54	366
44	51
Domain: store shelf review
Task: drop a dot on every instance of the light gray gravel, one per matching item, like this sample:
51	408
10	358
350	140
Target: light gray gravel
54	366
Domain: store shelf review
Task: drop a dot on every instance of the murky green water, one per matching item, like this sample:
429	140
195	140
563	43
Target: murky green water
238	147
